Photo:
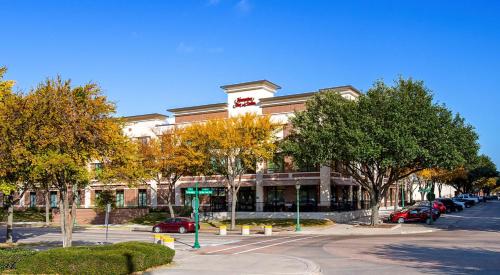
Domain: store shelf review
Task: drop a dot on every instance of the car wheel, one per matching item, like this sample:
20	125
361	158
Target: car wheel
157	229
182	230
401	220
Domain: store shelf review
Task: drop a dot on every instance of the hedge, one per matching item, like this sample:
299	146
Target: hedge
10	257
121	258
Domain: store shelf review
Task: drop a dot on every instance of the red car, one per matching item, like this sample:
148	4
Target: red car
436	205
180	225
418	214
439	206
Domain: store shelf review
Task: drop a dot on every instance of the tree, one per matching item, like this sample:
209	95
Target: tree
71	127
232	147
165	160
15	159
385	135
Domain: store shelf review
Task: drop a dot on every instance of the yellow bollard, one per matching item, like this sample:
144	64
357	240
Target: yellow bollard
222	230
268	230
168	241
245	230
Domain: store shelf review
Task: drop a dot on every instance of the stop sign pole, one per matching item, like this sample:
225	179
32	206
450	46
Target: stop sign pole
196	204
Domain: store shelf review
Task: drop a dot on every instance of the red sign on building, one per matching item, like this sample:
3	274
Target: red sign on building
243	102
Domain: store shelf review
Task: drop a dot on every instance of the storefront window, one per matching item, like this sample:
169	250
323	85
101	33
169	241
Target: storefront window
53	199
120	198
142	198
32	199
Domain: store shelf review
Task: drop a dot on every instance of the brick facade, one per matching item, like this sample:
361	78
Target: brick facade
200	117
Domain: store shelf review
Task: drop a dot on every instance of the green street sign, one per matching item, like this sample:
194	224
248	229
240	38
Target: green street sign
202	191
424	190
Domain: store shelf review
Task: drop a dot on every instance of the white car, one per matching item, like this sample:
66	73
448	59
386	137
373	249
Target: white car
455	201
468	197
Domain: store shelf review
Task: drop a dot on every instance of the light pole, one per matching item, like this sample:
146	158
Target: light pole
196	205
297	226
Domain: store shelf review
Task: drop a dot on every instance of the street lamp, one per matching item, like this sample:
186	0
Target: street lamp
297	226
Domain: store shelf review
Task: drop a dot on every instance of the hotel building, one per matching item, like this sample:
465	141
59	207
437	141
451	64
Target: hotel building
271	188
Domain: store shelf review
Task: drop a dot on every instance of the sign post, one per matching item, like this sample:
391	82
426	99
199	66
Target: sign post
196	205
108	209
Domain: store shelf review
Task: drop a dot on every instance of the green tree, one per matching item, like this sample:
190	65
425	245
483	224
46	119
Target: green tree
382	137
71	127
15	159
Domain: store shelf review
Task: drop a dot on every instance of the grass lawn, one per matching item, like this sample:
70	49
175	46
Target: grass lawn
156	217
28	215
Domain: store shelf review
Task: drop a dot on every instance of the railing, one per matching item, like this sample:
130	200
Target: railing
290	206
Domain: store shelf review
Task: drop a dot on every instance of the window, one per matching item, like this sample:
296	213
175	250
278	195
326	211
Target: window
143	201
97	194
32	199
53	199
120	198
78	198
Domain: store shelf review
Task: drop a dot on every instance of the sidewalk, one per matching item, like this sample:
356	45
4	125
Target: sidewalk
251	263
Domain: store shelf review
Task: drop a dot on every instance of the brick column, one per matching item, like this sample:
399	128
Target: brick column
325	187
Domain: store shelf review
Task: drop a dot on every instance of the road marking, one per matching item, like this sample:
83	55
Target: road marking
266	246
234	247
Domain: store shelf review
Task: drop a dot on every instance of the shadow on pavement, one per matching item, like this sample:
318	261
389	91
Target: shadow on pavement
442	260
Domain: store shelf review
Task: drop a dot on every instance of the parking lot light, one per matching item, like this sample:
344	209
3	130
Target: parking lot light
297	226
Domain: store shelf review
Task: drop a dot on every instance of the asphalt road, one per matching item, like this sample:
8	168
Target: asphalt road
468	242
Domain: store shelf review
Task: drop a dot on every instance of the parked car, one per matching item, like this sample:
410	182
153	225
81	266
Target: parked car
450	205
467	203
468	197
439	206
414	214
459	203
180	225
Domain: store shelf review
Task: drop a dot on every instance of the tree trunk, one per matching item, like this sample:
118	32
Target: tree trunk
171	208
47	208
10	222
234	199
396	197
375	205
66	218
440	187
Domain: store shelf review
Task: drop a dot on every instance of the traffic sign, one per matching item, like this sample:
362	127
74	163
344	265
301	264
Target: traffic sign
202	191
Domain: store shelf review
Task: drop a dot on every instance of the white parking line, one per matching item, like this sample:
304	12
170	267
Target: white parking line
234	247
274	244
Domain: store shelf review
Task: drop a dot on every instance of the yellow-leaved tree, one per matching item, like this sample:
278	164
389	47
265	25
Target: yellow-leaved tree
165	160
232	147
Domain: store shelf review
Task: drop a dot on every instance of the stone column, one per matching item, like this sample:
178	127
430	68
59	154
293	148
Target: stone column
259	188
87	197
154	193
178	195
350	197
360	196
325	187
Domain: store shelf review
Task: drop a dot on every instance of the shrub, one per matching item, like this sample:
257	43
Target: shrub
10	257
122	258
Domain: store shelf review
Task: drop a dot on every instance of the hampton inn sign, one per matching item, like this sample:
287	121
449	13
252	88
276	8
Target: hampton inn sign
243	102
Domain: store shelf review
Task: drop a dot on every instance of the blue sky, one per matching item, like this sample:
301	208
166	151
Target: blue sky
152	55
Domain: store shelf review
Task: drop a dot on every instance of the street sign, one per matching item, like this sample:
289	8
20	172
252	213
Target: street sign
424	190
202	191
